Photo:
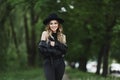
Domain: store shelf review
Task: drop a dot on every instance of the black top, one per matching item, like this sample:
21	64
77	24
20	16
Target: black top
55	36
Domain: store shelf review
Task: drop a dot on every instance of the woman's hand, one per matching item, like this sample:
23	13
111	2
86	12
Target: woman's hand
52	43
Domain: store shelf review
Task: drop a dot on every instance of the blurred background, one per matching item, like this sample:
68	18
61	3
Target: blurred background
92	28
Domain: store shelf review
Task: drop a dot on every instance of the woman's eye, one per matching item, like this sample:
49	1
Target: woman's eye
53	23
56	23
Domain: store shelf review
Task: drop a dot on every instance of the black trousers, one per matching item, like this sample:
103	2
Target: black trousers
54	69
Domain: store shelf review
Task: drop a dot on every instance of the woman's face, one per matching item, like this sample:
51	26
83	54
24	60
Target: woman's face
53	25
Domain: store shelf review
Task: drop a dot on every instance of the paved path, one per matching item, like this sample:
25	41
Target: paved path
65	77
115	74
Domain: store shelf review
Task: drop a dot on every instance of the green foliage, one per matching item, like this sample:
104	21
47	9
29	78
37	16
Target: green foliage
75	74
85	26
23	74
4	37
88	21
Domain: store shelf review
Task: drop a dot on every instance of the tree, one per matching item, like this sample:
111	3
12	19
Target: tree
4	38
109	23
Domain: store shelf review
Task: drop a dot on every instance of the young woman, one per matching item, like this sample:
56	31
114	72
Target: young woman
53	47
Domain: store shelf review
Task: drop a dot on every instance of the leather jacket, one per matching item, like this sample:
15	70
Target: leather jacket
47	50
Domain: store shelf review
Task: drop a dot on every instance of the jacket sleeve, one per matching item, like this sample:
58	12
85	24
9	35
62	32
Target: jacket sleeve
44	48
62	47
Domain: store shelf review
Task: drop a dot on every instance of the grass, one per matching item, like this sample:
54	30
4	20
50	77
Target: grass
75	74
37	74
28	74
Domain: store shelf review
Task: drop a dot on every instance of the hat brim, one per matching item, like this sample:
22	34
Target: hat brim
46	21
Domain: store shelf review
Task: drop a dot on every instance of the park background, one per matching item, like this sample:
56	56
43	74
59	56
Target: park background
92	28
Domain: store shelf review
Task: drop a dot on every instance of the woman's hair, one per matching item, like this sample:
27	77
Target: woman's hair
60	35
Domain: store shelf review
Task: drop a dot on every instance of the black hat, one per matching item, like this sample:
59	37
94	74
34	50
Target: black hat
52	16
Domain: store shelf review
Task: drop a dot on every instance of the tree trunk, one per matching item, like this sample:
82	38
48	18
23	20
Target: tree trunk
32	44
32	57
31	38
83	59
27	39
4	38
110	23
99	60
4	43
106	50
105	59
87	44
14	35
83	62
